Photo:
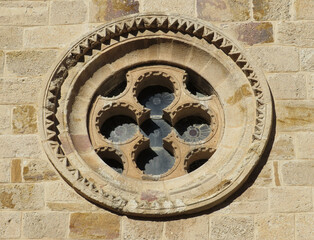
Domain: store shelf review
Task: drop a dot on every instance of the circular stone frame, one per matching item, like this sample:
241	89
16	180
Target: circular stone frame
156	39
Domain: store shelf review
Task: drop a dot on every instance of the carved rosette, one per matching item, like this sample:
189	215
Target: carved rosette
238	108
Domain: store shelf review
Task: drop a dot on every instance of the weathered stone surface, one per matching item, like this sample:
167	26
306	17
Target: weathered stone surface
288	86
223	10
134	229
304	9
71	206
304	226
45	225
271	10
11	37
4	171
24	119
265	177
169	6
10	223
60	191
23	13
270	227
290	199
9	87
283	148
307	59
298	173
5	119
304	145
187	229
276	58
104	10
2	56
296	33
16	171
295	115
68	12
52	36
19	146
310	86
232	227
104	226
22	197
246	207
253	194
38	170
29	63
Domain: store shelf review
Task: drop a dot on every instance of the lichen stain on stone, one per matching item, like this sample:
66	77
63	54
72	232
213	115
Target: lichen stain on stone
24	120
260	9
6	200
243	91
222	185
253	33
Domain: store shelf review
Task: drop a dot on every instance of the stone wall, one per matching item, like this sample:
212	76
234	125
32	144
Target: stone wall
275	203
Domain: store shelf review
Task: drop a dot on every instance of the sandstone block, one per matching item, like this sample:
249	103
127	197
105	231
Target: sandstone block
169	6
22	197
71	206
290	199
304	145
271	10
295	116
270	227
265	177
105	10
12	146
304	9
11	37
100	226
310	86
304	226
253	195
10	90
29	63
38	170
23	13
10	223
246	207
288	86
4	171
1	62
60	191
24	119
283	148
307	59
232	227
186	229
16	175
298	173
223	10
67	12
276	58
45	225
5	119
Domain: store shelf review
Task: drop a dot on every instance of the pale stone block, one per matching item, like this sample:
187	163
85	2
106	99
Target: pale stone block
169	6
304	226
2	55
11	37
19	146
295	115
247	207
304	9
304	145
100	226
5	119
307	59
298	173
288	86
45	225
23	13
270	227
38	170
232	227
291	199
29	63
271	10
68	12
296	33
265	177
22	197
187	229
52	36
24	119
10	223
4	171
105	10
135	229
276	58
283	148
224	10
10	90
253	194
71	206
310	86
60	191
